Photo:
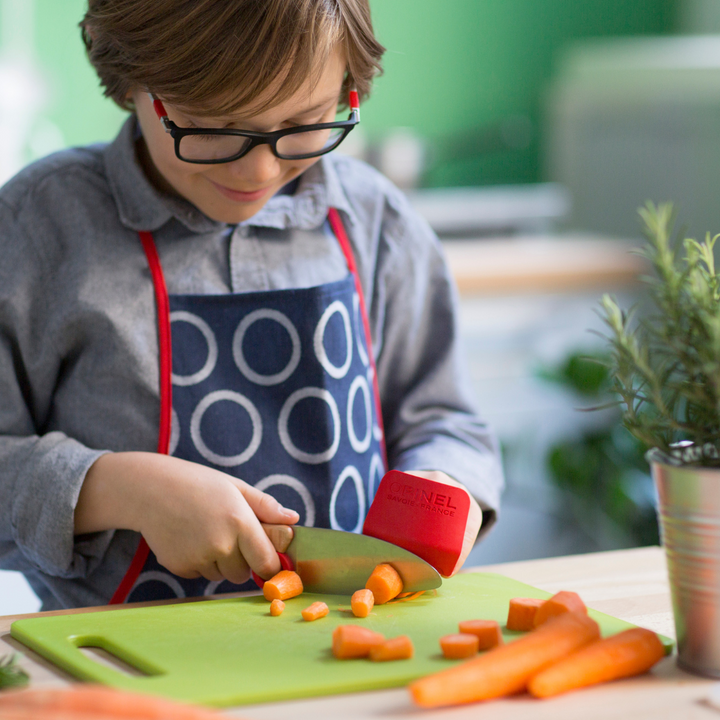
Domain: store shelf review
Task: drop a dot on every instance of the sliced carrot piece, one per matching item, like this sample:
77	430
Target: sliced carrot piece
487	632
384	583
315	611
397	648
628	653
506	669
562	602
405	597
362	602
96	701
276	607
521	613
354	641
459	645
286	584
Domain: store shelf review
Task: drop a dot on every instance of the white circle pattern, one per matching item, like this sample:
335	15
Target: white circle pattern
318	340
376	471
239	356
359	331
174	432
212	356
298	487
349	472
163	577
359	446
204	450
283	432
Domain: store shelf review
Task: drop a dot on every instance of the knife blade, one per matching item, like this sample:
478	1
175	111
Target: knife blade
339	563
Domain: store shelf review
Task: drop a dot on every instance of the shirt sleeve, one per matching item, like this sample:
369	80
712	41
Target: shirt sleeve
430	421
41	471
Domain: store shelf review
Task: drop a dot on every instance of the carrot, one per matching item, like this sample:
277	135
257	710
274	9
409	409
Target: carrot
384	583
354	641
487	632
276	607
405	597
521	613
562	602
362	602
286	584
506	669
95	702
315	611
397	648
628	653
459	645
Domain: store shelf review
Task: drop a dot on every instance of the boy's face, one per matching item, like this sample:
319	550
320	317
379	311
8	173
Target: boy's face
235	191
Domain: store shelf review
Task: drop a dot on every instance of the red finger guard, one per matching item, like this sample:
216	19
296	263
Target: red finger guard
425	517
285	564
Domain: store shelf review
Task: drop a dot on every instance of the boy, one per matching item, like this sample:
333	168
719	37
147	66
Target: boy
191	315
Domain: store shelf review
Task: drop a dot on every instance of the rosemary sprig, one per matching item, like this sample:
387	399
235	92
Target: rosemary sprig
665	367
11	674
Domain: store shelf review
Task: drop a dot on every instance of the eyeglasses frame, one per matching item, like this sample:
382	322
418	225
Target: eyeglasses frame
257	138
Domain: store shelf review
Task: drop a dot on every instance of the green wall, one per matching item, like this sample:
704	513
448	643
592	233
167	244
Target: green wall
467	75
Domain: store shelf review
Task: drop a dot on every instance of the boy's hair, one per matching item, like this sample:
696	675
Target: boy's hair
216	56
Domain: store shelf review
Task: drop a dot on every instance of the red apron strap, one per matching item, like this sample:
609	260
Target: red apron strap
165	351
338	228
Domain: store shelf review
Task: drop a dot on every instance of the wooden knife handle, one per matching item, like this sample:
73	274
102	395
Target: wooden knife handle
280	535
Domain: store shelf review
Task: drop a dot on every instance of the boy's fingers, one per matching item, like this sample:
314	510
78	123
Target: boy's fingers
211	572
234	567
266	507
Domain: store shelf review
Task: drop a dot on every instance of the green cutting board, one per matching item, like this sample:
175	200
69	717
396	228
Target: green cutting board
231	651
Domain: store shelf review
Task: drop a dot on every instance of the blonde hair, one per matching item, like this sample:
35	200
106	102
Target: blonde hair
217	56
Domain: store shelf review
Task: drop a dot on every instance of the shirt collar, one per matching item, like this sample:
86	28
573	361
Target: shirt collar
142	207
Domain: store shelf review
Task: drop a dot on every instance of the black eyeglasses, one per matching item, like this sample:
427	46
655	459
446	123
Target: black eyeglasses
208	146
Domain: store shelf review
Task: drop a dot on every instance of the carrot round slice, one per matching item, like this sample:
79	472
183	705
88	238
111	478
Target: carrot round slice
459	645
562	602
384	583
521	613
354	641
286	584
506	669
397	648
315	611
276	607
628	653
362	602
486	631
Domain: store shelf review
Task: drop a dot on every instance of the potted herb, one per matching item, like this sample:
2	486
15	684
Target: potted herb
665	366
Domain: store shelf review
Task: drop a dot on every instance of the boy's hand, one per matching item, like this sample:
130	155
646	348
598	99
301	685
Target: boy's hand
198	521
474	519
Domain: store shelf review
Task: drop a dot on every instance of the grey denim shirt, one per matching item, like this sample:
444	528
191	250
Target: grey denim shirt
79	369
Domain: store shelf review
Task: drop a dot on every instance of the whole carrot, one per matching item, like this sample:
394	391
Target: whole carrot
506	669
96	702
628	653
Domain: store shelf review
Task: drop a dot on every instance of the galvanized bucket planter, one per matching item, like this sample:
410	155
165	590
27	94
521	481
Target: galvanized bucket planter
689	515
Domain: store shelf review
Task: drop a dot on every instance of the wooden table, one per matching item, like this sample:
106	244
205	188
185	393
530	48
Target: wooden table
630	584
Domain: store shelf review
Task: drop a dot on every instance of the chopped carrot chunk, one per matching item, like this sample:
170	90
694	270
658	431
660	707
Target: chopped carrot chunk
315	611
384	583
459	645
521	613
362	602
397	648
562	602
487	632
354	641
286	584
628	653
276	607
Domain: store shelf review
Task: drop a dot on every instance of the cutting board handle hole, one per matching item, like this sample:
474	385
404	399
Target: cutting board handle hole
108	659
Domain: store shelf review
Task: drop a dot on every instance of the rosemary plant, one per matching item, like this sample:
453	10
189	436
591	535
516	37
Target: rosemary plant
665	366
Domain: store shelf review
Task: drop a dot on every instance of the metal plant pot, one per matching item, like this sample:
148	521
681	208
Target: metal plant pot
689	515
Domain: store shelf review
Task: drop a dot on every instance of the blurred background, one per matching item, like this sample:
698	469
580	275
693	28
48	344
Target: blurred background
527	132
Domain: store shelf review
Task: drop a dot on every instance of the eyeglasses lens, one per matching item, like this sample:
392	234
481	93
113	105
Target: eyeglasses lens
211	147
309	143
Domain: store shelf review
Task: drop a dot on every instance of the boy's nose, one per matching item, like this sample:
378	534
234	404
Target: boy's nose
259	167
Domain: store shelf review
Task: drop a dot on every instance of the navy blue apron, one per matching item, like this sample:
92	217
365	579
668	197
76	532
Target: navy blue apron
277	388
